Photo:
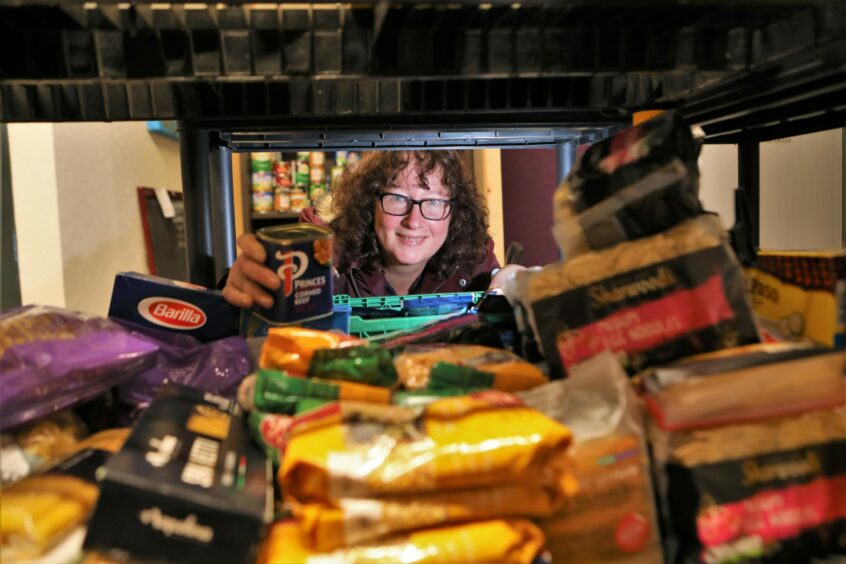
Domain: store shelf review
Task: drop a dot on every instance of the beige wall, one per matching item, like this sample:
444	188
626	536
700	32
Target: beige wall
718	180
98	167
801	183
801	192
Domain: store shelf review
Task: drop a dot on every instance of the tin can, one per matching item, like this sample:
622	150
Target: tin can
262	201
335	174
260	162
316	159
262	182
317	175
299	199
282	200
301	255
283	174
302	173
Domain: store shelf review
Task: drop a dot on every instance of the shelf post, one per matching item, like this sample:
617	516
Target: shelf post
199	249
223	209
565	158
749	179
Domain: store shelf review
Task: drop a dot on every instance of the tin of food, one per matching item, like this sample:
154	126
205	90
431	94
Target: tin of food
301	255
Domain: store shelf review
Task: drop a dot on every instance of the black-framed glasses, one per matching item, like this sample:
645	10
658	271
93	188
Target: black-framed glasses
433	209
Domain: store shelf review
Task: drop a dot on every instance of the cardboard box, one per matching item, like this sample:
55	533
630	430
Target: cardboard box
175	306
188	485
800	296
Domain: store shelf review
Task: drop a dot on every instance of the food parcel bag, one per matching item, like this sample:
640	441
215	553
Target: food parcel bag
653	300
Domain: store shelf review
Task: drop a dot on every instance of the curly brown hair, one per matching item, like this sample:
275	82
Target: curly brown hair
354	201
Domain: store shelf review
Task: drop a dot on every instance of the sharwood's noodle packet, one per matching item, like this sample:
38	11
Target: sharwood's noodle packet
367	450
505	541
650	301
436	367
291	348
770	489
766	380
353	521
639	182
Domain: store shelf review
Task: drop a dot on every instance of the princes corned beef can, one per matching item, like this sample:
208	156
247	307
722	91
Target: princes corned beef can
301	255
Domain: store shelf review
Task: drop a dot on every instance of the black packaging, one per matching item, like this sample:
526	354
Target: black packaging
188	485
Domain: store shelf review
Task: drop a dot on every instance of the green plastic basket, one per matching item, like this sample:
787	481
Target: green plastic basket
368	314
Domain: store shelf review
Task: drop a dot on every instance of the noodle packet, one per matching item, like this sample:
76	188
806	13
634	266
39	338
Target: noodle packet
641	181
368	364
516	540
765	380
353	449
773	489
650	301
352	521
434	367
750	454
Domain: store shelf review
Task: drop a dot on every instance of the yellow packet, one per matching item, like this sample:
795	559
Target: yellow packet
509	372
40	511
485	541
291	348
356	521
355	449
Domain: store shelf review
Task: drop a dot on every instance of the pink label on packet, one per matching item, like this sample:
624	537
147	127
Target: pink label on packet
774	515
648	325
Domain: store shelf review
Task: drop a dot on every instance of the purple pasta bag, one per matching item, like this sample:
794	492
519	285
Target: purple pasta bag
217	366
52	358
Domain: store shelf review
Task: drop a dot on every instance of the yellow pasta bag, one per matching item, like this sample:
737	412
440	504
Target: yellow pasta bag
427	366
291	348
355	521
363	450
484	541
39	512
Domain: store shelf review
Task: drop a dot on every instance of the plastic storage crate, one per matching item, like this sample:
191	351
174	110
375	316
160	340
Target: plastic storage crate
377	316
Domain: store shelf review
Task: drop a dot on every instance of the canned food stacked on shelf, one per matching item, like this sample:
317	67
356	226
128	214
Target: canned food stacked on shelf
290	182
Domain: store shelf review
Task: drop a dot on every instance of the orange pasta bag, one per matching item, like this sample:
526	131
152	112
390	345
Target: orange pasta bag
365	450
291	348
483	541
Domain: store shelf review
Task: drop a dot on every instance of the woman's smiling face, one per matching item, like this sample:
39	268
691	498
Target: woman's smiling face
411	240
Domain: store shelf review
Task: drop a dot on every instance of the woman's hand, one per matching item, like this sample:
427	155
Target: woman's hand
504	274
249	278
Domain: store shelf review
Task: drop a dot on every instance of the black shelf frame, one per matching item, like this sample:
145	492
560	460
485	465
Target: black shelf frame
391	75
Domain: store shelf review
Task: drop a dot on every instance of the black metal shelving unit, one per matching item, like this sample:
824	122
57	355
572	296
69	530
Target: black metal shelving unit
242	77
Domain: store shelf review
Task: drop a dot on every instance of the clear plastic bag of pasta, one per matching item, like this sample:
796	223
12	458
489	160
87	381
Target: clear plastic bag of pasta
641	181
650	301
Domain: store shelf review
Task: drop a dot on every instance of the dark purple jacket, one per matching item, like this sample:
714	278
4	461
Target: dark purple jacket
360	283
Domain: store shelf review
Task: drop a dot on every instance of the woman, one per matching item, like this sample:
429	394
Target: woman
405	222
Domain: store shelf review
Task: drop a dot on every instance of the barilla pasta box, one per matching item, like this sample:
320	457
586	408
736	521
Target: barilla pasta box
800	295
172	305
187	486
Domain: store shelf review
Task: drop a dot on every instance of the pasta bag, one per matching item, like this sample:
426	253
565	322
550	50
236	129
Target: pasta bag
351	449
427	367
502	541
